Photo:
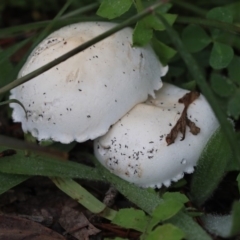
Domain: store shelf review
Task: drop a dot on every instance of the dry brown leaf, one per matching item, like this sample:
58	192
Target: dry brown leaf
184	121
15	228
76	224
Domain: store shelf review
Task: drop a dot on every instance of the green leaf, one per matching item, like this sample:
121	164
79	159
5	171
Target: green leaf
167	209
164	8
10	180
143	31
153	22
221	85
177	196
131	218
211	167
221	55
191	86
166	232
142	34
234	105
164	52
195	38
112	9
220	14
233	69
172	204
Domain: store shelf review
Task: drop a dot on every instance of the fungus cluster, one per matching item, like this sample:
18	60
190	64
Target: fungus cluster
99	94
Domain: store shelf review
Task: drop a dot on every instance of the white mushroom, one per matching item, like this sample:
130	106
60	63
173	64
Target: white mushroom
136	150
82	97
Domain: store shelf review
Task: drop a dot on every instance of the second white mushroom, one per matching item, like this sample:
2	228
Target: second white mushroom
136	150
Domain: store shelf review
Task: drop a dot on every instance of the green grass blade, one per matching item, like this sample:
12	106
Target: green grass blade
77	192
7	53
52	23
227	27
10	180
81	10
8	142
211	168
34	164
192	230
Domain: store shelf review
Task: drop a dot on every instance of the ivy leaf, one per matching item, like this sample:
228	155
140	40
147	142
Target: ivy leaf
142	34
166	231
221	85
112	9
164	52
220	14
131	218
167	209
221	55
143	31
164	8
233	69
153	22
234	105
195	38
176	196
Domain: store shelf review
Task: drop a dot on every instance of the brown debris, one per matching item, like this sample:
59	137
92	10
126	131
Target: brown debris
76	224
184	121
15	228
110	196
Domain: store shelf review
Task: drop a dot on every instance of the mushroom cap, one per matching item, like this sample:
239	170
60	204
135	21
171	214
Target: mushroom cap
80	98
135	148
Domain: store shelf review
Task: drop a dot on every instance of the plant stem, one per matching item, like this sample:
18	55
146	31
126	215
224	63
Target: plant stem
210	23
81	10
191	7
